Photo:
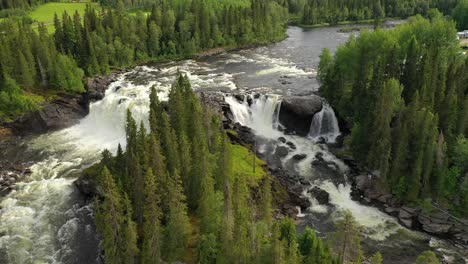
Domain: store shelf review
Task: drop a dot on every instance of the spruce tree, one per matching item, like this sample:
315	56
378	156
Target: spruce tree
109	217
177	231
151	245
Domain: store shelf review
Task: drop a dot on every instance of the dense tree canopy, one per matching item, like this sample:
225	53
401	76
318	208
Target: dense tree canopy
460	14
110	38
156	206
334	11
405	91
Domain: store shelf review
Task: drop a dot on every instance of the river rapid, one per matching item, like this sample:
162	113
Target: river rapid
46	220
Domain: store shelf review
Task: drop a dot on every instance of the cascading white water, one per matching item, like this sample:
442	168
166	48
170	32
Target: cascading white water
325	125
261	116
38	219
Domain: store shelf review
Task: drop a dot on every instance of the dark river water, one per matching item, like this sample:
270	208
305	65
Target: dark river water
45	220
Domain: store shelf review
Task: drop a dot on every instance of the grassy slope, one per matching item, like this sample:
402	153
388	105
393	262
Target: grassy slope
45	13
242	162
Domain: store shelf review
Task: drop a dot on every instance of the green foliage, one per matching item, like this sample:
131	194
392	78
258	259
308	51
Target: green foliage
400	90
460	153
460	14
244	160
346	240
427	257
325	63
143	213
376	258
87	41
13	101
317	12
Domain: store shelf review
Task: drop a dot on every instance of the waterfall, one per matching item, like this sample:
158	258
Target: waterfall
325	125
42	220
262	115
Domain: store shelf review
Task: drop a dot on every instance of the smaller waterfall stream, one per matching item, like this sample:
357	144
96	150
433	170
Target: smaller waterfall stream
381	231
261	115
325	125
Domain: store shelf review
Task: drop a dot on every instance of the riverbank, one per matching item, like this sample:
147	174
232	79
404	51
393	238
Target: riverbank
66	109
430	218
385	22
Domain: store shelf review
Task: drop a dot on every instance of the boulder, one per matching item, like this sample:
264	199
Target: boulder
296	113
391	211
403	214
299	157
281	151
291	145
320	195
408	223
97	86
87	185
363	182
63	112
242	135
437	229
282	139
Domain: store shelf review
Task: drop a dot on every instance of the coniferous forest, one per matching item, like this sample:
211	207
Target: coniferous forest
175	194
36	63
405	93
222	179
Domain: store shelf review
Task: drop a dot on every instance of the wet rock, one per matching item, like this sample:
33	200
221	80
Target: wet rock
290	210
97	86
296	113
410	211
291	145
299	157
403	214
282	139
320	195
239	97
408	223
242	135
87	185
384	198
63	112
363	182
437	229
392	211
281	151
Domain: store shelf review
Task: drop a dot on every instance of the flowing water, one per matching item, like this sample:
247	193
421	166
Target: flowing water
46	220
381	232
325	125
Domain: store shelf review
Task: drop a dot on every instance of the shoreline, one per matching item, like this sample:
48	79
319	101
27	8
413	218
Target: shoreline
343	23
66	109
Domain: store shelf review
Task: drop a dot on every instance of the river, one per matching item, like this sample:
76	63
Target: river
46	220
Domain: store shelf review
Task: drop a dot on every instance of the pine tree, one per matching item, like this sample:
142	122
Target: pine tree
109	217
169	145
346	241
288	235
380	132
410	72
151	245
129	249
307	244
177	231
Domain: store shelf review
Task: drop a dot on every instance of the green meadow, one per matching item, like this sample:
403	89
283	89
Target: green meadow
45	13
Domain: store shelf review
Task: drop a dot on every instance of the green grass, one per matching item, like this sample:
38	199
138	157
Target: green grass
45	13
242	162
